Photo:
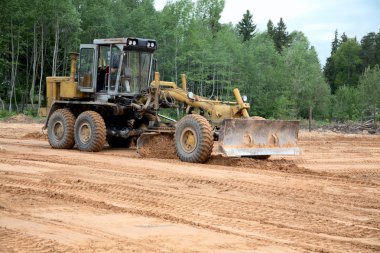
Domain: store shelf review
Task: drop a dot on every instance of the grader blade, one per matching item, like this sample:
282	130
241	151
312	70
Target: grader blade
248	137
145	139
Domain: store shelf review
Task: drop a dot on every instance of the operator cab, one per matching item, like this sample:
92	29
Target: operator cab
116	67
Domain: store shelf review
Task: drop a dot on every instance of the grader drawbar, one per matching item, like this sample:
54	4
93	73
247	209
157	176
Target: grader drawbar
116	96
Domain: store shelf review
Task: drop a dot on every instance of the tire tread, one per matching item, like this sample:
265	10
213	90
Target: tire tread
100	132
203	152
69	122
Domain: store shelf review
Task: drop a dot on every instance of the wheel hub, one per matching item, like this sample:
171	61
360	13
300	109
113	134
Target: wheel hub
58	130
189	140
85	133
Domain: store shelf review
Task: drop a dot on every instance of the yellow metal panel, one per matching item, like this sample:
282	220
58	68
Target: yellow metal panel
70	90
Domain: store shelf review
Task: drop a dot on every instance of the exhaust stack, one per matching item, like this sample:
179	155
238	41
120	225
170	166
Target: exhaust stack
74	60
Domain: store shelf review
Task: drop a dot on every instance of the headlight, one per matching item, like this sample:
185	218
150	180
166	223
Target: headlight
245	99
134	43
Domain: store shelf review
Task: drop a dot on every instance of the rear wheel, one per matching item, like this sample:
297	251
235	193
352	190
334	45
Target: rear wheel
90	131
61	129
194	139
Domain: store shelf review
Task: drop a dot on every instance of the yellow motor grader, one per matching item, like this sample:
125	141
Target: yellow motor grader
116	97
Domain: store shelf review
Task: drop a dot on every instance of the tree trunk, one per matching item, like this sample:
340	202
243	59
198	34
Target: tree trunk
2	104
16	67
55	53
310	117
34	73
12	67
24	93
64	67
42	67
175	59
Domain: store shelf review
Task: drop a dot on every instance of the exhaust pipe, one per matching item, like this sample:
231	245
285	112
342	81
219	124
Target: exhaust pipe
74	60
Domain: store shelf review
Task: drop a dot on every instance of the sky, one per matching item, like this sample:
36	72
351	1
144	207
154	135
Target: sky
317	19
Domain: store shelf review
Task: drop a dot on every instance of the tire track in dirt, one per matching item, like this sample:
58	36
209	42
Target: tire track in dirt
17	241
271	203
139	195
247	187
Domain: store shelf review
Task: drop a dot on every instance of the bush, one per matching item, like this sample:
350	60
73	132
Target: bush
6	113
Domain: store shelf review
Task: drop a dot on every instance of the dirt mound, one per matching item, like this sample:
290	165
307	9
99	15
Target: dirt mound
159	146
275	165
35	135
20	118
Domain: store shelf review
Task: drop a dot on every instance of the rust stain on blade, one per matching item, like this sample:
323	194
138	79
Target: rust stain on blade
248	137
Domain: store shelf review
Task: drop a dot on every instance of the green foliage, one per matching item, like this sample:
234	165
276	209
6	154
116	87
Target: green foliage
308	87
369	90
346	104
246	27
266	84
6	113
370	51
347	64
279	34
30	112
335	44
270	28
343	38
349	59
278	71
209	11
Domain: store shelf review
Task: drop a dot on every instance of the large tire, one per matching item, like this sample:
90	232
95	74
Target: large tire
61	129
193	139
90	131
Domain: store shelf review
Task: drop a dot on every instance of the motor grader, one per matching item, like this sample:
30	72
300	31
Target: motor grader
114	95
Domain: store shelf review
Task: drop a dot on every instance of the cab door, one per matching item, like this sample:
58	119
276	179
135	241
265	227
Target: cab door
87	68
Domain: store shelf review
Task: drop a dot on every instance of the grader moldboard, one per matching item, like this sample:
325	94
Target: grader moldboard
116	96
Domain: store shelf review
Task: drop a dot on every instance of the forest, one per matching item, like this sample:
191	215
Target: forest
277	69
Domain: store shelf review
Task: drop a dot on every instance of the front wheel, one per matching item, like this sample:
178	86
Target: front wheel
90	131
193	139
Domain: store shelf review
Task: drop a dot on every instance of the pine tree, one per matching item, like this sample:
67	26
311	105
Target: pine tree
368	52
343	38
281	36
270	28
335	43
246	27
329	70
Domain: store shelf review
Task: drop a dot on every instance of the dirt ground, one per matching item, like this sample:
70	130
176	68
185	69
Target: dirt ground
325	200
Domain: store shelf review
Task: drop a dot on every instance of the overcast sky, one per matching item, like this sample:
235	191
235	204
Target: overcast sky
318	19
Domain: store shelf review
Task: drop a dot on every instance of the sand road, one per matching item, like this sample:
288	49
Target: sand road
326	200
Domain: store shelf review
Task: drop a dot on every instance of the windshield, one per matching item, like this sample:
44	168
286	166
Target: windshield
134	72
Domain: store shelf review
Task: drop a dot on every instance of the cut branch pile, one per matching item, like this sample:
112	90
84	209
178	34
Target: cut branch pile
368	126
